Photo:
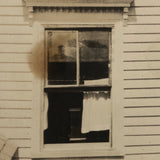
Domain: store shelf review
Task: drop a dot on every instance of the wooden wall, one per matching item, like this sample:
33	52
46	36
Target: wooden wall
15	76
141	79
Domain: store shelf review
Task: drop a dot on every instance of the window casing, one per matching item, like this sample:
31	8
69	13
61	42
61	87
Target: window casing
39	150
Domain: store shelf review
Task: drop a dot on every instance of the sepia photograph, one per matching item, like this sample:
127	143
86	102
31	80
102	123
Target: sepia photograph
79	79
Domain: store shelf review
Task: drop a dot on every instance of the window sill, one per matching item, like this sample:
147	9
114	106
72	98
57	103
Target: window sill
78	150
75	88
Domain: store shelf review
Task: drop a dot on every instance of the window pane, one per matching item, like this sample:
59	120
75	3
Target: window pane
94	55
61	57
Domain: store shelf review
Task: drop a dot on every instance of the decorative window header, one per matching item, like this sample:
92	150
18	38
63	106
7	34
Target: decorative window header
78	3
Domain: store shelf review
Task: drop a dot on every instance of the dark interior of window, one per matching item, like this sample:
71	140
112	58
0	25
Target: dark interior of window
64	120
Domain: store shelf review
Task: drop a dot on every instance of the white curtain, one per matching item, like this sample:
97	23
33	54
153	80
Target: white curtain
96	114
45	111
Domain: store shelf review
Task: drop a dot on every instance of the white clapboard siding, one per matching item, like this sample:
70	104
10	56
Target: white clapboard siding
15	67
142	84
142	130
141	38
15	29
141	93
142	121
134	47
15	95
17	104
15	48
15	77
144	11
15	122
16	132
142	102
142	56
10	11
11	86
142	149
142	74
15	57
139	29
142	112
13	20
11	3
142	140
143	157
146	3
16	113
144	20
142	65
16	39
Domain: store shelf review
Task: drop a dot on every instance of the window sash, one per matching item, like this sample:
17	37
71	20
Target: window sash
77	59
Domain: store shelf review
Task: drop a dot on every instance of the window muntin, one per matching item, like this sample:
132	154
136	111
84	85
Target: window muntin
74	58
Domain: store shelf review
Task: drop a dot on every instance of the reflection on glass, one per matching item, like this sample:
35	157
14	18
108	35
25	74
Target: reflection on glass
61	57
94	55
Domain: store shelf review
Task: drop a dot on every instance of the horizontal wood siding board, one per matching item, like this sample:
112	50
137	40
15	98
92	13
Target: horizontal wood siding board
14	86
139	29
142	74
7	113
142	131
140	121
142	65
141	112
143	157
141	140
141	84
15	123
144	20
144	11
15	57
145	3
138	38
16	39
142	56
15	77
11	3
16	132
142	102
15	48
6	104
13	20
15	29
135	47
12	11
142	149
142	93
15	67
15	95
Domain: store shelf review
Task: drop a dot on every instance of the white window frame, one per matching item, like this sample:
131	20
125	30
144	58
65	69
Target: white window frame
39	150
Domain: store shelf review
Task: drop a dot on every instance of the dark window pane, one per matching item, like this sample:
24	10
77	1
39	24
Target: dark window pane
61	57
94	54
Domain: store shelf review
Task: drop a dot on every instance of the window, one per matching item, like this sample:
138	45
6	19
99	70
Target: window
78	85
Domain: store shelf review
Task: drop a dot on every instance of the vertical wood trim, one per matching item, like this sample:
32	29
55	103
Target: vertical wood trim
117	87
38	84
